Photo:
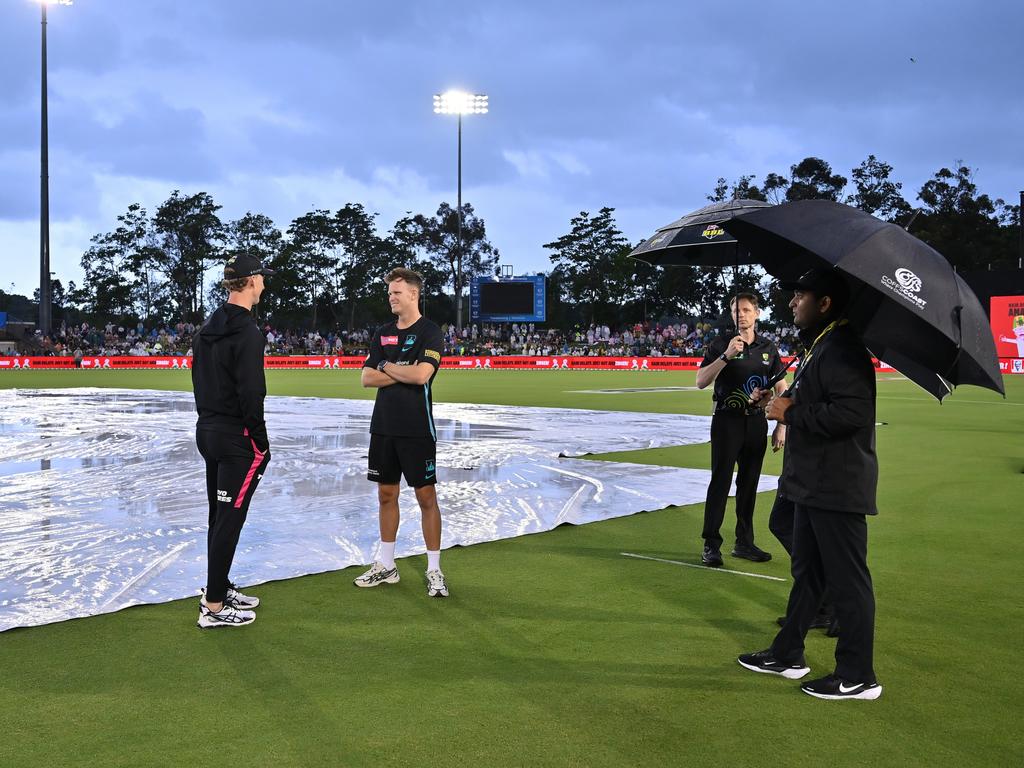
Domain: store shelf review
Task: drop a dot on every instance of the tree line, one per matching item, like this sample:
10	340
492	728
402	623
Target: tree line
330	264
593	280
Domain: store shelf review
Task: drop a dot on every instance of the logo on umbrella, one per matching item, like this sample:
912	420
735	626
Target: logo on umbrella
711	231
906	285
908	280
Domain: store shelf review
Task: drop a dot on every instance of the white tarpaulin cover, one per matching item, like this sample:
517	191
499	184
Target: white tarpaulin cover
102	493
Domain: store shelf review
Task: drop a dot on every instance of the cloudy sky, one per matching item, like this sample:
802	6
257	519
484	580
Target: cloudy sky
282	107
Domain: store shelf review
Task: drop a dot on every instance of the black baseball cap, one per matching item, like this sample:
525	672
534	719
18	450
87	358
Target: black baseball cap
821	282
241	265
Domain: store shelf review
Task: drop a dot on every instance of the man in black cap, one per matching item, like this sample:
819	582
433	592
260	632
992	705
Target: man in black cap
739	432
230	385
830	473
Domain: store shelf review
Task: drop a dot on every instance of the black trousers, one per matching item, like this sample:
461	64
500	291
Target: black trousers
234	468
830	550
780	523
736	441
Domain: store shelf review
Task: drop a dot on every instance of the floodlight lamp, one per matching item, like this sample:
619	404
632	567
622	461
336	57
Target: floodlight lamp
55	2
459	103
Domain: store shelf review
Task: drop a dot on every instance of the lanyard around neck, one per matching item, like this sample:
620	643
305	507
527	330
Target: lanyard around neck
810	350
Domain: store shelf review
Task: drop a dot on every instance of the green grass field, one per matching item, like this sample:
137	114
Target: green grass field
554	650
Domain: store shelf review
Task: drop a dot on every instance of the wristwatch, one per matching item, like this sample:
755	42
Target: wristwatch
381	364
723	358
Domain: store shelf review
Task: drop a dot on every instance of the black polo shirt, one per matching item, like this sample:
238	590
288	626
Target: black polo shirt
405	410
751	369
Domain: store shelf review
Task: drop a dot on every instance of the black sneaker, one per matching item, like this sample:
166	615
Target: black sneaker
764	661
752	553
832	687
711	556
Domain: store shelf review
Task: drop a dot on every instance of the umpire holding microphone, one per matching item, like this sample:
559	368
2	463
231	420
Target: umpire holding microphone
739	431
830	473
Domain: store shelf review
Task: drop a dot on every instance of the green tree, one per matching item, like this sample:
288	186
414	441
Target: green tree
313	255
970	229
188	238
812	179
589	257
775	187
437	237
364	260
741	189
110	266
876	193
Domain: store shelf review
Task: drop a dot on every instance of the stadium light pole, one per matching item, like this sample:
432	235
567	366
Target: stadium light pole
459	103
45	318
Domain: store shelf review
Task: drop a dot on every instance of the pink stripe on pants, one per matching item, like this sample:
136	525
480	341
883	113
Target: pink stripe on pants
257	460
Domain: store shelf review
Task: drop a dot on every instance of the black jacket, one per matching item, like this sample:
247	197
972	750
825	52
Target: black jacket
227	374
830	459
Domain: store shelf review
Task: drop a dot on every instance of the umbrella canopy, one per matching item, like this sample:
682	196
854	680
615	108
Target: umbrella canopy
909	305
698	238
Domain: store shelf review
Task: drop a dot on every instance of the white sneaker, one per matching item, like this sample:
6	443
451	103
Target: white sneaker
436	586
236	599
225	617
245	602
377	574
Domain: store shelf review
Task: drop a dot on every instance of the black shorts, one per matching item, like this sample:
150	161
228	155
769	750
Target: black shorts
392	457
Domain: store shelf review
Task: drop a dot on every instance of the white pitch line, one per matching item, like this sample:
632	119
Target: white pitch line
702	567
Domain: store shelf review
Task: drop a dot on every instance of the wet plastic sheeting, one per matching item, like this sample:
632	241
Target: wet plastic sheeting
102	492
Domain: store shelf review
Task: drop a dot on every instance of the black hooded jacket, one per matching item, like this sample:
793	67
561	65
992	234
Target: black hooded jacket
227	374
830	459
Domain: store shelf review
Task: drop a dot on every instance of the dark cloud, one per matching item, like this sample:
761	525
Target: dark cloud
639	106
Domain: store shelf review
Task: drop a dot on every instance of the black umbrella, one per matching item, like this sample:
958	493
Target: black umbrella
698	238
909	305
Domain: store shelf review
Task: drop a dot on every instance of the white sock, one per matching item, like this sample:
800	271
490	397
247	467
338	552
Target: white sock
387	554
434	560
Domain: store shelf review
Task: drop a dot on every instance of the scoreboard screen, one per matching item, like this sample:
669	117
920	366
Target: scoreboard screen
508	300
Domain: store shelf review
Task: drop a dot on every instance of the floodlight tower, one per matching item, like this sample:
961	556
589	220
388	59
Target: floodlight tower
459	103
45	320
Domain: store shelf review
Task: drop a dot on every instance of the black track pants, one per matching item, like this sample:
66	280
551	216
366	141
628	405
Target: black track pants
234	467
830	550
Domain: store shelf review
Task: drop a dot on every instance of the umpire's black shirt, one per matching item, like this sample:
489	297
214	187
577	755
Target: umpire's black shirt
227	374
405	410
830	459
751	369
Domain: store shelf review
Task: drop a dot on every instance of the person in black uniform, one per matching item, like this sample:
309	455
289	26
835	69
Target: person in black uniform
737	367
230	385
830	473
404	358
780	523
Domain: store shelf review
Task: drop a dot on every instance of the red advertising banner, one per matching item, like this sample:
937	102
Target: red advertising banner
17	363
1006	313
1013	364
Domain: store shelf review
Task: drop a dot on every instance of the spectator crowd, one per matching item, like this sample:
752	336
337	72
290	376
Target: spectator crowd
489	339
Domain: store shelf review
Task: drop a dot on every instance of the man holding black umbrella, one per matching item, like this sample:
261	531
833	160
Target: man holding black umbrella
830	473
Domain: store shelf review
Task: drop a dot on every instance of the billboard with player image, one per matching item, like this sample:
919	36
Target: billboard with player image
1006	314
